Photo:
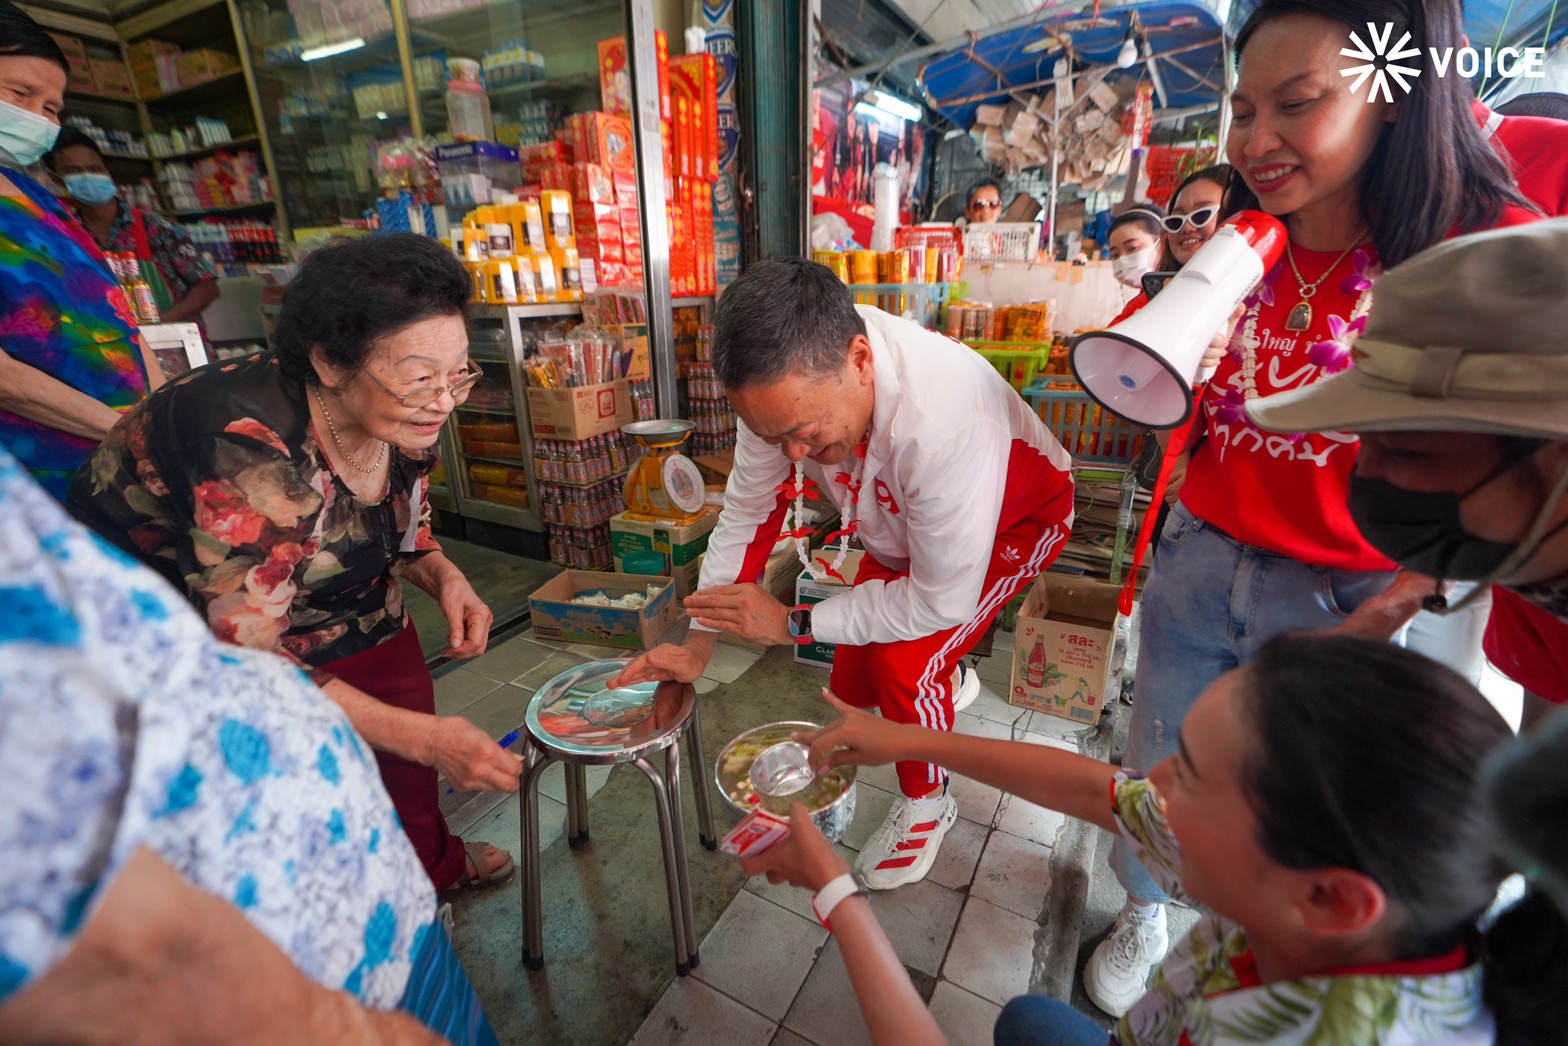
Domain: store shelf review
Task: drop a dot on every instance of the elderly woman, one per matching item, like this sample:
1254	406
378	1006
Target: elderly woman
285	496
69	356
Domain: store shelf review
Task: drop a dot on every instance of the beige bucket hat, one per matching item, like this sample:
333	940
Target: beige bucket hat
1469	336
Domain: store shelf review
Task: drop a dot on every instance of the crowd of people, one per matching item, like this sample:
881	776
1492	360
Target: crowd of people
211	666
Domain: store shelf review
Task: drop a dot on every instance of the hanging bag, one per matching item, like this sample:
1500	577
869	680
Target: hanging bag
149	265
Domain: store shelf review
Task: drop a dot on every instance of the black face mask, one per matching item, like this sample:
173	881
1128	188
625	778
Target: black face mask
1421	531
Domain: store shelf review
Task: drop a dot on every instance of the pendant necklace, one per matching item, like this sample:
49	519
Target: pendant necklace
1300	317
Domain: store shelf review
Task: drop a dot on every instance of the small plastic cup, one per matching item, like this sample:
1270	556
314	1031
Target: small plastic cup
782	770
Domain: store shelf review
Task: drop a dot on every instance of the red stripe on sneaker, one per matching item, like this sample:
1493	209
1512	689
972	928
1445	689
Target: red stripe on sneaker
897	862
910	844
924	826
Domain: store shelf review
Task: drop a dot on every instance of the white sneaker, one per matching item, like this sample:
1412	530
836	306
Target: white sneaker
904	848
966	686
1117	974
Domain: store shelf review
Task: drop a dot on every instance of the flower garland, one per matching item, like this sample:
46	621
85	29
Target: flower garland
1330	356
799	491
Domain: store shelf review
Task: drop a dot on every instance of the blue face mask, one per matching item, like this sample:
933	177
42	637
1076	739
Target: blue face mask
90	187
24	136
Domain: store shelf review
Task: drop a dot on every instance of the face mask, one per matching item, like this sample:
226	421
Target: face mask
1422	531
1129	268
24	136
90	188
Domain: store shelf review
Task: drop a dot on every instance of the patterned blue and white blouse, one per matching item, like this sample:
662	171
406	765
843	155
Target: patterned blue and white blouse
124	723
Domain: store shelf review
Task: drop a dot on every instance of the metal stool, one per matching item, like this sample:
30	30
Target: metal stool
575	721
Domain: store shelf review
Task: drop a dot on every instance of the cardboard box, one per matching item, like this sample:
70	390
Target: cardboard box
580	413
556	617
71	46
680	545
111	77
198	66
810	590
79	75
1062	648
145	52
634	336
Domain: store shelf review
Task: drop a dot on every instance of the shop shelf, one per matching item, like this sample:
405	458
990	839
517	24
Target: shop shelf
249	140
186	92
127	156
233	208
76	92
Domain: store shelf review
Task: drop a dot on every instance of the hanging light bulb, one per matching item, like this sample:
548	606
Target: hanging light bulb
1129	52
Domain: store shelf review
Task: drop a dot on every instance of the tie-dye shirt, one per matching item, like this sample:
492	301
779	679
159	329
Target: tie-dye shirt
62	312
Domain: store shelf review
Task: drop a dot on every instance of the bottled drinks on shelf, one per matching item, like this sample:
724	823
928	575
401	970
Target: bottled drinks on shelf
586	462
642	400
581	506
585	548
233	241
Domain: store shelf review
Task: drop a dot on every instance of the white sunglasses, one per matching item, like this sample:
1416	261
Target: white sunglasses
1174	223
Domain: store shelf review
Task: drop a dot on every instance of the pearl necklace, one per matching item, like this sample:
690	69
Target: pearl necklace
372	470
795	514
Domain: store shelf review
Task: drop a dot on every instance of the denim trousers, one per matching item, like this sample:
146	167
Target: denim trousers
1039	1020
1210	604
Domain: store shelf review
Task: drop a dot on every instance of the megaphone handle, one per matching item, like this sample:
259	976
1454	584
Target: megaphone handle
1180	439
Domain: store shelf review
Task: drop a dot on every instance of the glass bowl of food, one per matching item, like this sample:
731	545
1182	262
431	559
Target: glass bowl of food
830	797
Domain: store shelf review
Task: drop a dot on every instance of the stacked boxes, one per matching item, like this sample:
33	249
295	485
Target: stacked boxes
694	87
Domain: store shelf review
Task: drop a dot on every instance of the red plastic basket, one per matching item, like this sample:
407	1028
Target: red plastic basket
942	237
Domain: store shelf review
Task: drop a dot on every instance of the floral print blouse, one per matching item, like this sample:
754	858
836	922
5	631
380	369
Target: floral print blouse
217	482
1207	992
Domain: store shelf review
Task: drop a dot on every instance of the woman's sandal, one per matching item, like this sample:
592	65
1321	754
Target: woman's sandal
473	855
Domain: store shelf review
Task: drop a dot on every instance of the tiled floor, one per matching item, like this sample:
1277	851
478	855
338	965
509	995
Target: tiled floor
769	973
966	933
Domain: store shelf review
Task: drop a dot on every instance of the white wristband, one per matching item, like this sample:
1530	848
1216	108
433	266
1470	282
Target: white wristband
829	897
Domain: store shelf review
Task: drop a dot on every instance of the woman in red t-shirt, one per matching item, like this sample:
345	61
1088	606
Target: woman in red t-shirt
1261	542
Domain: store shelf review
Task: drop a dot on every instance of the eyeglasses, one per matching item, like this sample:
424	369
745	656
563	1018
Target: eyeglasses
424	397
1174	223
988	204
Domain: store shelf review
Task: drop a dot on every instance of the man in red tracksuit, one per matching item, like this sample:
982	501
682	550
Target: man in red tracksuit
957	492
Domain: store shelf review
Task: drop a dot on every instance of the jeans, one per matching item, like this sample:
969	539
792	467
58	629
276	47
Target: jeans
1210	604
1039	1020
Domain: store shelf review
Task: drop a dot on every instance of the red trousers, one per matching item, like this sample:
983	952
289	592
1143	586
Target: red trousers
911	680
395	674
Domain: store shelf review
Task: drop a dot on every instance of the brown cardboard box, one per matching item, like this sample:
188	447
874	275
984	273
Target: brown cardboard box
71	46
198	66
79	75
557	618
145	52
1062	648
811	590
111	77
580	413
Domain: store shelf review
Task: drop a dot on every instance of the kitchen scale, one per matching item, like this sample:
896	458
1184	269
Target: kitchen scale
664	486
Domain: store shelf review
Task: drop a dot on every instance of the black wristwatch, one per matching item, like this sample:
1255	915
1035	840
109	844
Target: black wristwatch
800	624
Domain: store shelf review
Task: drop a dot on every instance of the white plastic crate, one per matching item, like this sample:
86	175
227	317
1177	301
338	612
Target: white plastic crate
1001	241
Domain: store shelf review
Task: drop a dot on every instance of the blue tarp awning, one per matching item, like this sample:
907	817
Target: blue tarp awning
1185	38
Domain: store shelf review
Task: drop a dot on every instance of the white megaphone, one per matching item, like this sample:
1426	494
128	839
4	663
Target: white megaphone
1144	368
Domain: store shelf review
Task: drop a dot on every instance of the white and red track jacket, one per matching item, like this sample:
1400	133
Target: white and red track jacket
955	458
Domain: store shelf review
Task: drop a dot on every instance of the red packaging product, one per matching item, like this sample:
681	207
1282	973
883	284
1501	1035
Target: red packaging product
756	832
696	77
607	138
615	84
590	184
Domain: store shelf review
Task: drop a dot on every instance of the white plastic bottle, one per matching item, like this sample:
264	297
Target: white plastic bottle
467	105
